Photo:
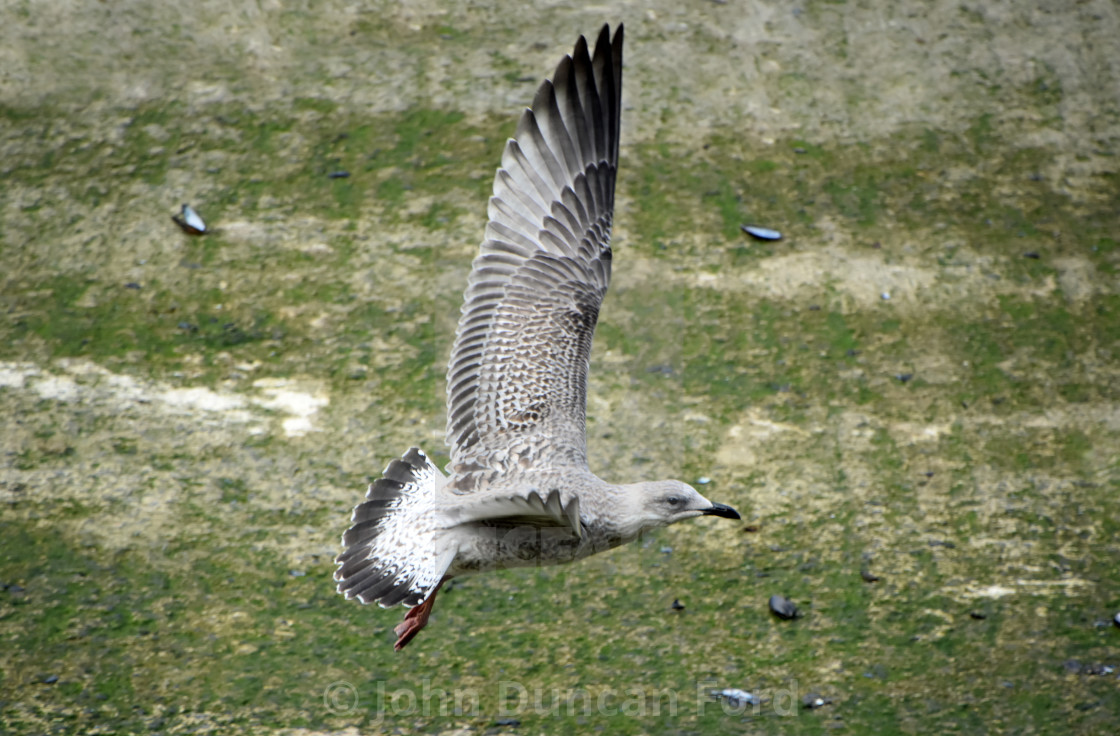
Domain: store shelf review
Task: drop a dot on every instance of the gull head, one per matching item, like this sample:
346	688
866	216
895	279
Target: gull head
664	502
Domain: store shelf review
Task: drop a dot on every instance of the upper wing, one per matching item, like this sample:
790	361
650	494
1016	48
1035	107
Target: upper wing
517	379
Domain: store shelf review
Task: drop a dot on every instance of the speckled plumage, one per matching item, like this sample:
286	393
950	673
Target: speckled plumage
519	491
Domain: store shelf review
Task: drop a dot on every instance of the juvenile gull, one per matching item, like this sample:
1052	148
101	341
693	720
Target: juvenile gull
519	491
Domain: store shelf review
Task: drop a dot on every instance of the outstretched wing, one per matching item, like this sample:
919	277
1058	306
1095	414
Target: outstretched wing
517	379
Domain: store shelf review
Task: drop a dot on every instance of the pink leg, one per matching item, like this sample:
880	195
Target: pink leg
415	619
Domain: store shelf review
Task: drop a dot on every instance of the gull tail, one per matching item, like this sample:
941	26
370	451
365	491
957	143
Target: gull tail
392	554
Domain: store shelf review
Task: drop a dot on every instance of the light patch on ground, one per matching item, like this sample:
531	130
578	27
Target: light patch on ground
938	631
1030	587
301	407
861	281
989	591
742	439
142	444
1078	279
914	432
907	282
203	399
81	381
14	375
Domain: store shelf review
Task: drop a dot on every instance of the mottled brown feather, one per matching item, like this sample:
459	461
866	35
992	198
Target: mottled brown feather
517	378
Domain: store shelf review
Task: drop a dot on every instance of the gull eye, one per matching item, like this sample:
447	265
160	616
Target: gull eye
674	501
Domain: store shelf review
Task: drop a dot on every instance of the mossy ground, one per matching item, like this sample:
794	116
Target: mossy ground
919	382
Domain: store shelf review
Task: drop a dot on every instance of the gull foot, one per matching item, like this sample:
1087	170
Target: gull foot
415	620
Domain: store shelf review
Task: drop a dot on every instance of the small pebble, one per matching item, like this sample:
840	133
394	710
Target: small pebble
812	701
677	605
1032	254
1098	669
904	377
513	722
868	576
783	607
978	615
339	175
736	697
189	221
885	296
132	285
1116	620
50	679
666	550
761	233
703	480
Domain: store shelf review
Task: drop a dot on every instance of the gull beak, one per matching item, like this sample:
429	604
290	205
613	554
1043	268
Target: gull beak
718	509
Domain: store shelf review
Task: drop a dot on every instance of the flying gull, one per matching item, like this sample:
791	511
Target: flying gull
519	492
